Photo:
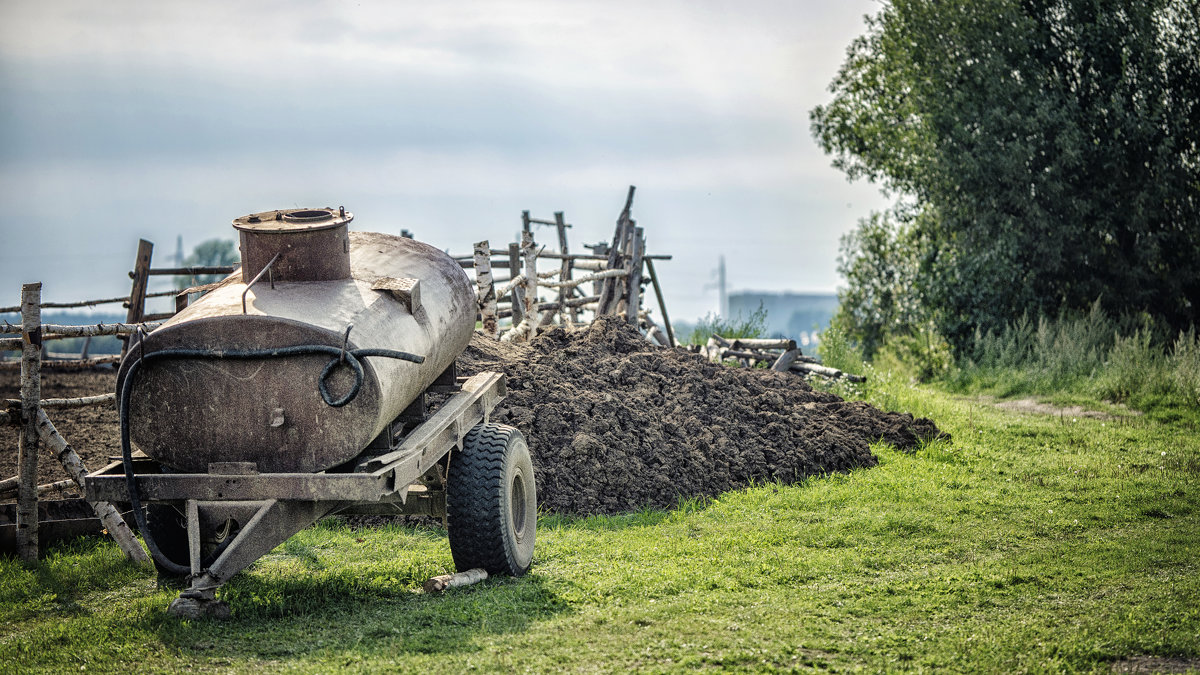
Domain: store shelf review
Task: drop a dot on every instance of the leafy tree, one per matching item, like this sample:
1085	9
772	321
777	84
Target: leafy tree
1045	153
210	253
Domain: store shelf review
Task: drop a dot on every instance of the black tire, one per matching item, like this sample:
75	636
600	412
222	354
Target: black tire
491	502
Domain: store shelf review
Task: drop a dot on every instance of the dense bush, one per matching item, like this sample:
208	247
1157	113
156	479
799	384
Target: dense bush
1123	360
1046	153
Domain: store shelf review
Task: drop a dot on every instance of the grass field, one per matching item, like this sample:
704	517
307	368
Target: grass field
1031	543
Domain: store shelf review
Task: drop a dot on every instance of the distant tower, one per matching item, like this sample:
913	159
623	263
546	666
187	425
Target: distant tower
179	250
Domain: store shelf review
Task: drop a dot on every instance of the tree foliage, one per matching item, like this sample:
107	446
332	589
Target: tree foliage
1045	153
210	253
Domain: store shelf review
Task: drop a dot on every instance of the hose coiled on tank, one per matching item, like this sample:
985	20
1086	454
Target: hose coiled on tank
340	355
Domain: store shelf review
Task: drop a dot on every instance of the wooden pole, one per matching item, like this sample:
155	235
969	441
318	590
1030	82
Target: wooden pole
826	371
70	363
764	343
518	292
532	320
662	306
567	313
608	289
27	448
9	492
117	528
141	278
634	305
525	224
527	327
486	290
51	331
785	360
141	275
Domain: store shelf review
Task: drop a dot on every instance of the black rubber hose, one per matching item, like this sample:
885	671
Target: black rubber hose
350	357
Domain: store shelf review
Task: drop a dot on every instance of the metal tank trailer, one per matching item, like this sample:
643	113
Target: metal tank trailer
296	389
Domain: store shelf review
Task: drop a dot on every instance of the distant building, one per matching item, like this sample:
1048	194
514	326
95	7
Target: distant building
799	316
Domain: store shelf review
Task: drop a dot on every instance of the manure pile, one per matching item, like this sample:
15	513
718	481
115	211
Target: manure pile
615	423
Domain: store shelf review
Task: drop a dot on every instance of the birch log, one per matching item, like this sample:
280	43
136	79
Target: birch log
11	491
77	363
486	290
53	331
760	343
654	333
27	447
826	371
529	252
530	319
441	583
579	281
117	528
79	402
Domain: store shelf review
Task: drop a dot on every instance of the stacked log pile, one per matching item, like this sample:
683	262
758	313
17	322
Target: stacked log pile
781	355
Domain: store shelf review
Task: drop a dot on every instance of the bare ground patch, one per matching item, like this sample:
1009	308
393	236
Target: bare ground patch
1036	407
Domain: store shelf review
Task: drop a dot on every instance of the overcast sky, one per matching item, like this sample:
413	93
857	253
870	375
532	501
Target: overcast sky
121	120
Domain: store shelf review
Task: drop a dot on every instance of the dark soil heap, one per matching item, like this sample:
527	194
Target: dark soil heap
615	423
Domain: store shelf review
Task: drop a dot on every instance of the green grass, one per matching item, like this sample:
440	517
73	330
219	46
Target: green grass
1032	543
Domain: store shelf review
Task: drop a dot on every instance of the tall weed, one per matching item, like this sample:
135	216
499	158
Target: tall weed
752	326
1125	360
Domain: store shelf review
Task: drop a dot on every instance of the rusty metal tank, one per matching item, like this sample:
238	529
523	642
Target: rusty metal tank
397	293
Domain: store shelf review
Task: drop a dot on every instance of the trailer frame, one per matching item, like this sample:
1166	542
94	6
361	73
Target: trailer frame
402	472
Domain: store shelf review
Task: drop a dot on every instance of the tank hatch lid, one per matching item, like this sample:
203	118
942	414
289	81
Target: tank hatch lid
294	220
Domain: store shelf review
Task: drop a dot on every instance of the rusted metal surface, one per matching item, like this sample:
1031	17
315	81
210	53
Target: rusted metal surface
375	478
190	412
209	487
312	244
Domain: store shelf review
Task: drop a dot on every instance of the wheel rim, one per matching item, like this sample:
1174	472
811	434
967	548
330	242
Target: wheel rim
518	505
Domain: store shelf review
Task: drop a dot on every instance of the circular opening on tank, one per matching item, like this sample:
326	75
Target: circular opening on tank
314	216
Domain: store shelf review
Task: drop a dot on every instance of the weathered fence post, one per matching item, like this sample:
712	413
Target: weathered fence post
634	303
564	275
661	305
31	393
141	278
609	290
486	290
518	292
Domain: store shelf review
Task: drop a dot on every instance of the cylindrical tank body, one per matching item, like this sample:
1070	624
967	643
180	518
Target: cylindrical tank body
190	412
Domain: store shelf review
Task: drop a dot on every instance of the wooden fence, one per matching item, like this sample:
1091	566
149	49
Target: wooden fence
577	286
29	414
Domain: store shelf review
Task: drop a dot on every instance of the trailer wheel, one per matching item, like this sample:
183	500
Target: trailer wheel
491	501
